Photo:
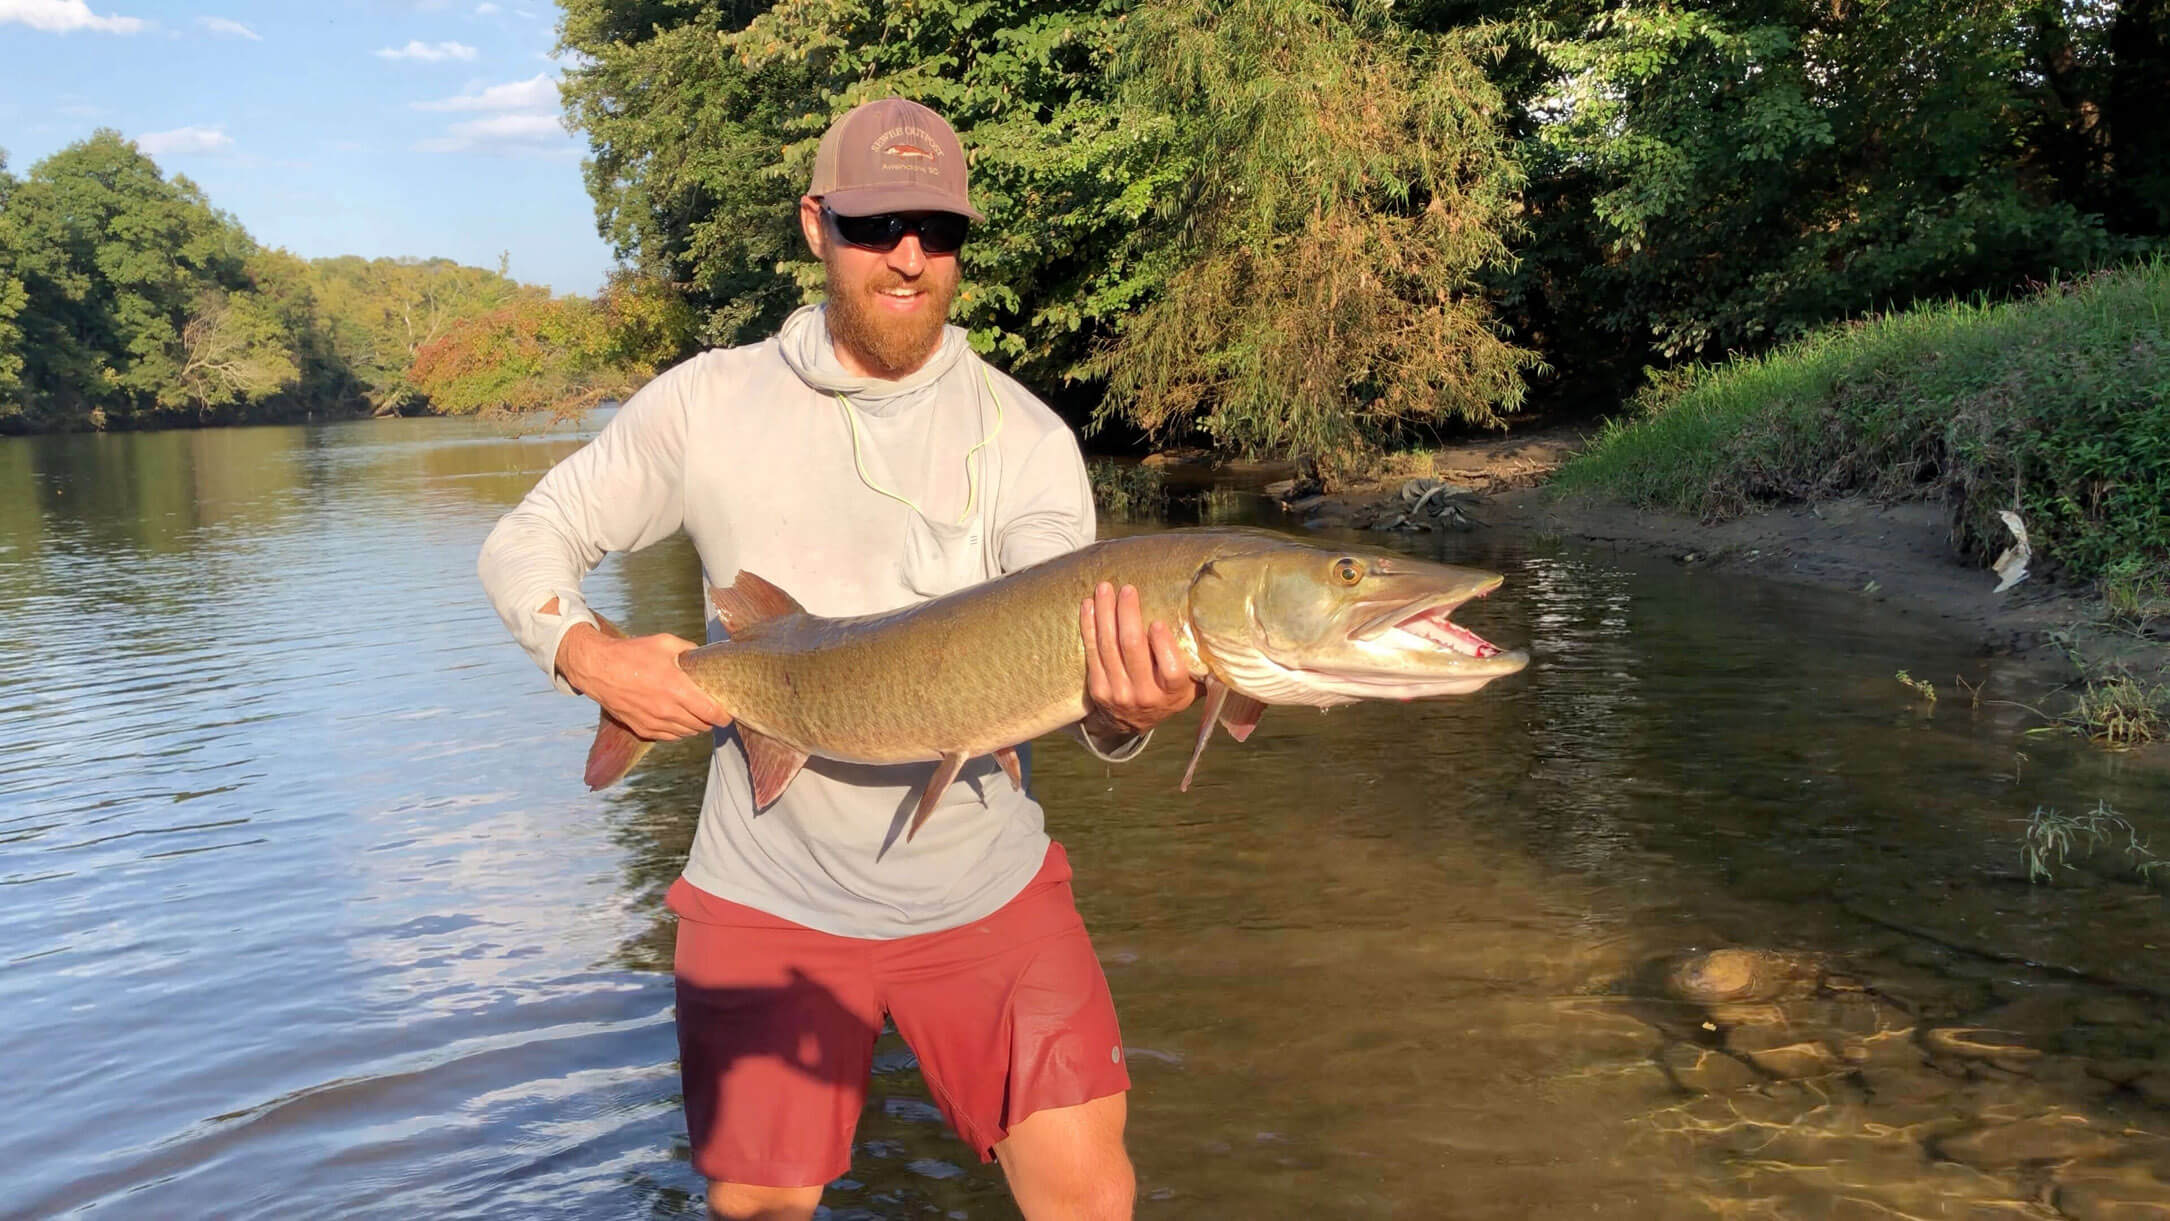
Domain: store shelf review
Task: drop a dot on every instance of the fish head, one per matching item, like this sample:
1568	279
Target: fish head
1298	624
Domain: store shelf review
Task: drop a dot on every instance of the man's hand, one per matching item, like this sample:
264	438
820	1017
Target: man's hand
638	681
1134	676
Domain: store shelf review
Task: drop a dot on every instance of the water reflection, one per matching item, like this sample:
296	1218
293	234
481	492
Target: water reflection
310	912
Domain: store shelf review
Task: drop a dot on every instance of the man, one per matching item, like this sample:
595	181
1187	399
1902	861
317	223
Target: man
862	459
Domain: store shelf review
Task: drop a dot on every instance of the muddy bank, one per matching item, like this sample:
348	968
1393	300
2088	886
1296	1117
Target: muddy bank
1900	555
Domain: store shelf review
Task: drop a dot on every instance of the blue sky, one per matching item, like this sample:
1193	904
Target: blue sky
370	127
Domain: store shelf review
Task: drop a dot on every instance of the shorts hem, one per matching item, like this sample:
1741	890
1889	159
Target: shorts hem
778	1175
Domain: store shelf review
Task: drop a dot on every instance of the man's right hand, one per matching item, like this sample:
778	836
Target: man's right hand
638	681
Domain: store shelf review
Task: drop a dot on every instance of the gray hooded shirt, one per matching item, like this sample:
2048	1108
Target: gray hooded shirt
855	496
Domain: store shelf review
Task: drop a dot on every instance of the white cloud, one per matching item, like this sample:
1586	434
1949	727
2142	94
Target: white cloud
538	92
486	9
430	51
183	141
229	27
500	134
65	17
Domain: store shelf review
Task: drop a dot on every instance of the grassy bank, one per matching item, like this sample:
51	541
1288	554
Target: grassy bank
2057	406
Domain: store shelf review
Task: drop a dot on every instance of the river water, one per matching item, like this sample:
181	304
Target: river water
304	910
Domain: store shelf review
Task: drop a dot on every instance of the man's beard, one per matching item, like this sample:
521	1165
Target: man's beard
888	346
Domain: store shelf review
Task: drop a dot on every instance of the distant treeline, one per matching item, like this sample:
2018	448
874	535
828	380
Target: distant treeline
128	301
1312	224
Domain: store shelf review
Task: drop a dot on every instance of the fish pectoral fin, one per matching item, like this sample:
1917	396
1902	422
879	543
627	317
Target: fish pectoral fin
1015	770
1216	699
749	600
772	764
1239	716
945	773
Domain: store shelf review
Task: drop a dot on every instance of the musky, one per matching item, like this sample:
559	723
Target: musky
371	127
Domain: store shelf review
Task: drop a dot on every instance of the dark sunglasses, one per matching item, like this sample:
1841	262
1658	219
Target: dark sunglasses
939	232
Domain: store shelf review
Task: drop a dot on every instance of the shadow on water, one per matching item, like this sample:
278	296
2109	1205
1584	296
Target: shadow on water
1703	915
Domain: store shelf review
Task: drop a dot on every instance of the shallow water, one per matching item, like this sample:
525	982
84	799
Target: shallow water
307	913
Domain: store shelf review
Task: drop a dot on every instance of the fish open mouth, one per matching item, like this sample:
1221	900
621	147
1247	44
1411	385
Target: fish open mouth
1434	627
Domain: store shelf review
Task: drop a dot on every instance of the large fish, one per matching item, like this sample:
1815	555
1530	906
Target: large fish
1260	619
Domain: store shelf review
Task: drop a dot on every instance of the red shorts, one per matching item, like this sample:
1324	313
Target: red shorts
776	1025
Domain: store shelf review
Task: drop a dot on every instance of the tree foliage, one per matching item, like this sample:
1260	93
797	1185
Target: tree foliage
127	300
1341	184
1713	178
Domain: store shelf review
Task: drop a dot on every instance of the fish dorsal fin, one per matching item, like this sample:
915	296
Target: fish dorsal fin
750	600
771	764
1239	716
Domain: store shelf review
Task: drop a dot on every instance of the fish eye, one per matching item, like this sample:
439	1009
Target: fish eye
1348	571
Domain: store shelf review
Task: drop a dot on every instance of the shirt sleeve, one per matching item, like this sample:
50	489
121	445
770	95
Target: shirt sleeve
620	492
1046	508
1047	511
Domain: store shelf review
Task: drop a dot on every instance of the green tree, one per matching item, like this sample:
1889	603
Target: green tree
113	259
1337	187
13	296
235	351
1710	178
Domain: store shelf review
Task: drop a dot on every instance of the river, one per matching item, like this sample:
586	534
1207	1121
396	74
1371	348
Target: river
305	911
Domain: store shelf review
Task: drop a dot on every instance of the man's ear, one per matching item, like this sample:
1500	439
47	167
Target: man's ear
817	241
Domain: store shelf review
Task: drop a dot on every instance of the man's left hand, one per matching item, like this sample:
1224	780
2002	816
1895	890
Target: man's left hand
1134	675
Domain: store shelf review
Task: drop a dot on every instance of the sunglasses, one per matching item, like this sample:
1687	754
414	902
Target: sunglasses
939	232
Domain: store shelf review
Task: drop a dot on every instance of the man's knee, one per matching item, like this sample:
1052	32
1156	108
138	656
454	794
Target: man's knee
740	1202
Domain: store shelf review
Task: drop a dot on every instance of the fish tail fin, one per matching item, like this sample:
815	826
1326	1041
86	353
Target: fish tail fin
616	749
614	753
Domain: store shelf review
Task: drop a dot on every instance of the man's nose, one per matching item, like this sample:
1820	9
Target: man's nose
907	259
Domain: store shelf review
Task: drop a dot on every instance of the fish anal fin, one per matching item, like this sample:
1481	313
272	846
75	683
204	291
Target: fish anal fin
1239	716
614	752
1011	767
749	600
1216	699
945	773
772	764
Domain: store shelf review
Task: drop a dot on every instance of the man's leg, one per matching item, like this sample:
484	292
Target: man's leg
739	1202
776	1027
1068	1164
1016	1035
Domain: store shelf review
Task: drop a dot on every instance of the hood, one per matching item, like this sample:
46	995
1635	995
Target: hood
803	342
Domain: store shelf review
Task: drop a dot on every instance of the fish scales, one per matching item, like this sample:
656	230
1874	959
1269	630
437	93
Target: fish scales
988	667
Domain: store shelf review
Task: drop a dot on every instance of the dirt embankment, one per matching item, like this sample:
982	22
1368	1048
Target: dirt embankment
1898	554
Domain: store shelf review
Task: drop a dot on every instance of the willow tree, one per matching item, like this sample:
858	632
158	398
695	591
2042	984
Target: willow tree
1341	185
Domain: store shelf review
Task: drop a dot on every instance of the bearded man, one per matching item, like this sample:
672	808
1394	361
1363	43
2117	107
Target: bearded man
862	459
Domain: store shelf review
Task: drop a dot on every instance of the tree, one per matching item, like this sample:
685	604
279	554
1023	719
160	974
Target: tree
235	352
1712	178
113	258
1340	185
13	296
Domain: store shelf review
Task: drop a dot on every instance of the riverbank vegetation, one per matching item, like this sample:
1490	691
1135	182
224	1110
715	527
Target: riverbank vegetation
2057	407
128	301
1301	226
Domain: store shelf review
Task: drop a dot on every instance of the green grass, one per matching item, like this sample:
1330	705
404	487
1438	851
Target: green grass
2057	405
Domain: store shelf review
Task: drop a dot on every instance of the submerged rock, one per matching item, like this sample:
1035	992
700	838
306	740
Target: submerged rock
1732	976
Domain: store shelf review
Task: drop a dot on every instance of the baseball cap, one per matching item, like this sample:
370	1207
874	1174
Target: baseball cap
891	155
